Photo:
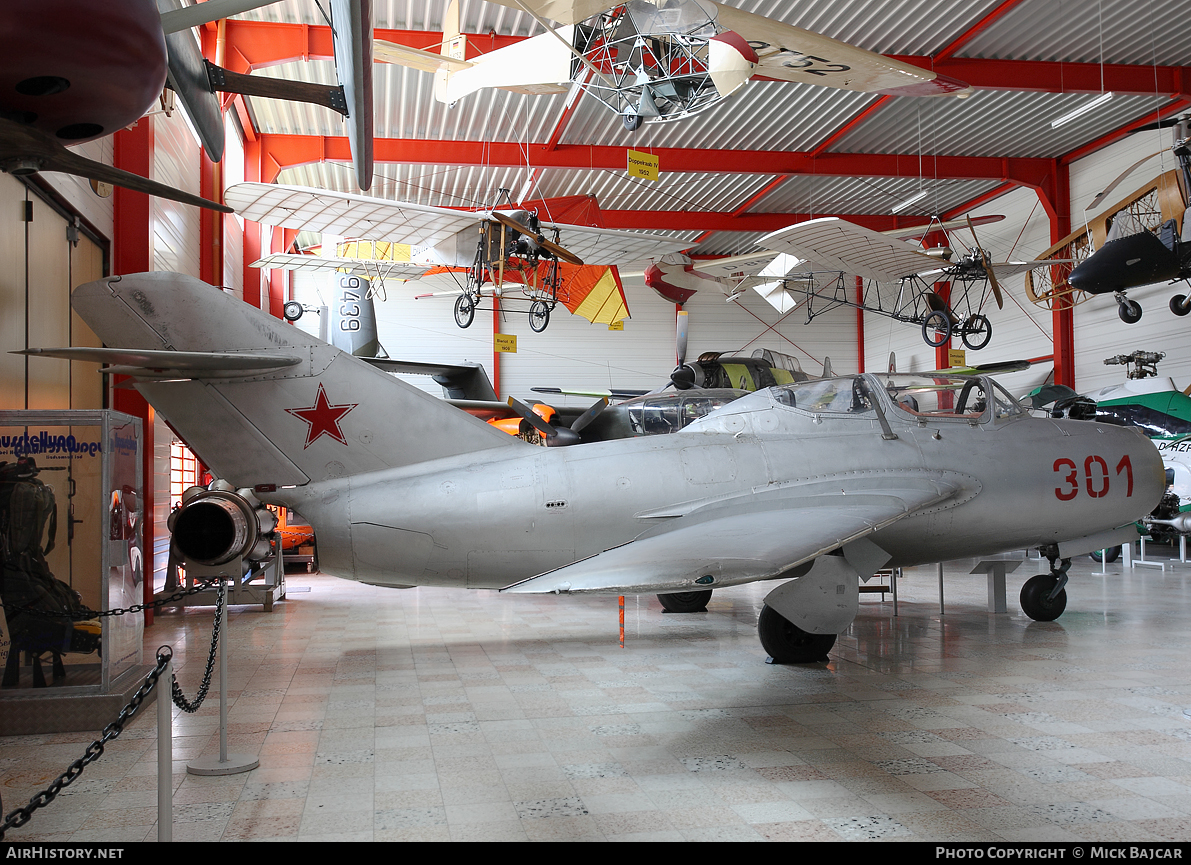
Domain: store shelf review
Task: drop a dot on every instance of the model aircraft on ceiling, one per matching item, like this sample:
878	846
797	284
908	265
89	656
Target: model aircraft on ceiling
821	482
77	70
550	263
659	60
832	249
1143	239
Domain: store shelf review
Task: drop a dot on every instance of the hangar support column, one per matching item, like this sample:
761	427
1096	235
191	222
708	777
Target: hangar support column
132	252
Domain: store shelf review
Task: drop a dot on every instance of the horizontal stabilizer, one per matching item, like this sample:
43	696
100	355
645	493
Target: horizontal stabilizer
144	363
381	268
415	58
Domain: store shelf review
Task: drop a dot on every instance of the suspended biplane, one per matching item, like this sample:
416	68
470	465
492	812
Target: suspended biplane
488	252
831	250
1140	240
658	60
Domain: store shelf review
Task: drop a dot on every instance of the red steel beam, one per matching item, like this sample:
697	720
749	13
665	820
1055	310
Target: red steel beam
1171	108
284	151
988	20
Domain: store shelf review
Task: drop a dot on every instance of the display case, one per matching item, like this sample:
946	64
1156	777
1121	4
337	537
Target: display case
90	461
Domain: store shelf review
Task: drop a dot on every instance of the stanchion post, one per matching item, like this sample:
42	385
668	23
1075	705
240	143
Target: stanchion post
165	755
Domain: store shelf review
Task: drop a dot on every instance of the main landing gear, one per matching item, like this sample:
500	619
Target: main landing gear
787	643
685	602
1043	598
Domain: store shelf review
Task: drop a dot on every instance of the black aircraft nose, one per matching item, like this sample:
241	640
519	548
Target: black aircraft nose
1127	262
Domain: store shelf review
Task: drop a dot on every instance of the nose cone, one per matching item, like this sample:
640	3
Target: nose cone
1127	262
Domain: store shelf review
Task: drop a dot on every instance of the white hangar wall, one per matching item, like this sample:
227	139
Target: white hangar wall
573	353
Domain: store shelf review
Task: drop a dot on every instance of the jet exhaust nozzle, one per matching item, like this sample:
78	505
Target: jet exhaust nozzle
217	525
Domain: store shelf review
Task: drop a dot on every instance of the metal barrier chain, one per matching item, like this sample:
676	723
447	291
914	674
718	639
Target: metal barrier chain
86	614
21	816
176	689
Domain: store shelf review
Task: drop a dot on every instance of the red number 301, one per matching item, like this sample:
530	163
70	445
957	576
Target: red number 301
1096	481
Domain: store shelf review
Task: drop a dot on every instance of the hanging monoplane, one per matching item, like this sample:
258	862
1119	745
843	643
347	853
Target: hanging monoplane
488	251
659	60
1141	240
831	249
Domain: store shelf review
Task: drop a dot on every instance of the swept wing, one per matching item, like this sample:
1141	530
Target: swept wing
748	538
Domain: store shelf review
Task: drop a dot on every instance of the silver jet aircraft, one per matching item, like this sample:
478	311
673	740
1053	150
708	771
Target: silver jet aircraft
815	483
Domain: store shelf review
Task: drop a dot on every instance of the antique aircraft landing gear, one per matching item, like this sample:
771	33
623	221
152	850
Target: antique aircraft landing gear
976	332
1180	304
539	316
1043	597
936	328
465	310
685	602
787	643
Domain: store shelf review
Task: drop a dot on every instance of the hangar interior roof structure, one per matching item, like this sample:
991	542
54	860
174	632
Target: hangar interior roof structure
772	154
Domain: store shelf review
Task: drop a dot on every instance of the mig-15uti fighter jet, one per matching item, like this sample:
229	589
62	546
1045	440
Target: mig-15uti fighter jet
816	484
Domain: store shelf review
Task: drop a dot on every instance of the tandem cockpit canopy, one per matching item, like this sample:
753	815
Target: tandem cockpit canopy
937	397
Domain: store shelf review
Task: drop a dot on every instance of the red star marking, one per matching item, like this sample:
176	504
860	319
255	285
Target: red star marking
323	418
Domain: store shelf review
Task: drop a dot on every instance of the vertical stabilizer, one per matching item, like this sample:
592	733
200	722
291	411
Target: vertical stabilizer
454	45
324	415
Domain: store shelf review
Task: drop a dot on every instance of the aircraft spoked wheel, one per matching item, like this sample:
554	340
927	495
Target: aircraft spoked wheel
539	316
976	333
685	602
787	643
1129	311
1113	553
1035	601
936	328
1180	304
465	310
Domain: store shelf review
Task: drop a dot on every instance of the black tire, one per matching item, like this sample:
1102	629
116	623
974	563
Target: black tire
1034	601
465	310
936	325
685	602
787	643
1129	311
976	332
539	316
1114	553
632	122
292	311
1180	304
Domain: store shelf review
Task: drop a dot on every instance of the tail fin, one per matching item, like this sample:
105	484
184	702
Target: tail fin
327	415
454	46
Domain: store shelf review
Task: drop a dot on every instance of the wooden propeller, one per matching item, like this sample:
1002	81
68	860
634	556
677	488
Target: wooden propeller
992	277
550	246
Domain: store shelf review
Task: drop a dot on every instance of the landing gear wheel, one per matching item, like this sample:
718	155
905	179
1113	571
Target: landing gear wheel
292	311
685	602
936	328
976	332
1114	553
787	643
632	122
1180	304
539	316
1034	598
1129	311
465	310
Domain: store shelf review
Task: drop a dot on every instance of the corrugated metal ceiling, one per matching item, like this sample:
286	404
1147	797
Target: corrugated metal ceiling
764	116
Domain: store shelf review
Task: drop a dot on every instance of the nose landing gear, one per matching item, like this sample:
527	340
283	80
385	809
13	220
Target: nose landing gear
1043	598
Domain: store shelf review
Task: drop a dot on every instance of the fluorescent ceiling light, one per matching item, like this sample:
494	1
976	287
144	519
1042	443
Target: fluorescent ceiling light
1081	110
911	200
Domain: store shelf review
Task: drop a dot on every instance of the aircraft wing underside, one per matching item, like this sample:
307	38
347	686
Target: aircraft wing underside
368	218
755	540
835	244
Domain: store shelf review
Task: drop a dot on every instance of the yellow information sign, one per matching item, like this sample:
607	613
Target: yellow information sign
957	357
616	325
643	165
505	342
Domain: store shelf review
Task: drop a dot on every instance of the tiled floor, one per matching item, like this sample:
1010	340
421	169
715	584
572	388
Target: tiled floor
431	714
